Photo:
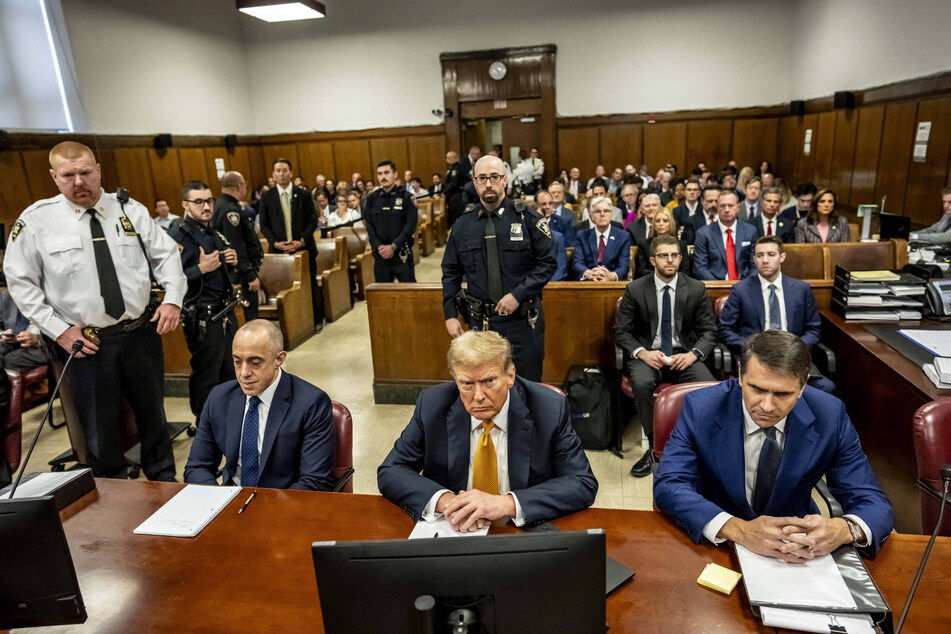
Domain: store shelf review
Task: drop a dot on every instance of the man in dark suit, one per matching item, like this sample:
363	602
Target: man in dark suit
546	208
286	205
557	191
602	254
750	207
452	187
666	328
469	160
576	187
774	301
724	250
641	228
286	439
745	455
770	222
708	202
691	205
489	445
804	194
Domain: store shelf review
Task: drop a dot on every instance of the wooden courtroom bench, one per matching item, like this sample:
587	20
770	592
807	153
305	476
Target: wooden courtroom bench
570	255
440	220
285	280
360	259
425	231
333	276
818	261
265	247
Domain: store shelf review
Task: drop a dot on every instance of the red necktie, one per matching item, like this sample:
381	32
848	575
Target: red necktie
769	227
731	256
601	249
710	220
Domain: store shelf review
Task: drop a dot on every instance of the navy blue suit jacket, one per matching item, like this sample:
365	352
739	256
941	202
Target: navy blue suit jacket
709	252
744	312
702	469
561	257
783	228
682	214
548	469
617	252
691	226
299	438
564	226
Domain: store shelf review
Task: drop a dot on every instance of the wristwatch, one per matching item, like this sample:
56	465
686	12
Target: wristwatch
857	535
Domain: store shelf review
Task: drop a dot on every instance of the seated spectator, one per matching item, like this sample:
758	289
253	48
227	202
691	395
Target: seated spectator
347	213
628	204
768	180
693	224
770	222
710	180
728	183
664	224
823	224
616	182
690	204
676	195
562	218
599	173
724	249
772	301
940	232
745	455
666	328
603	253
512	440
600	190
765	167
744	177
640	228
546	207
750	207
163	217
322	207
575	186
436	188
804	193
286	439
416	189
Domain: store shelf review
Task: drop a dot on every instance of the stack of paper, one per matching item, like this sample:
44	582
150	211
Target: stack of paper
442	528
875	276
943	367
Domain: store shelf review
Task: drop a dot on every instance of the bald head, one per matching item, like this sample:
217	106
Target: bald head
263	332
488	165
452	157
232	180
258	353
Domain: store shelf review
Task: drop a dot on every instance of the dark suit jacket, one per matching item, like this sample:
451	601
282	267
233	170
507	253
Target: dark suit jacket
561	256
299	438
637	230
303	217
744	312
638	316
702	471
642	260
617	252
682	214
743	216
564	226
548	469
783	228
692	225
709	252
792	214
230	220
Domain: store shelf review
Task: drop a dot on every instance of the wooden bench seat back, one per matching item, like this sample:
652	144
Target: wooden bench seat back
806	261
333	276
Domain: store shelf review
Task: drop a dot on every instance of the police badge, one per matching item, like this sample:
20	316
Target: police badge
234	218
127	226
515	232
399	203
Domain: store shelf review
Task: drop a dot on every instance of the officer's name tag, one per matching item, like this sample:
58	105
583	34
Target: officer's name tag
127	226
516	234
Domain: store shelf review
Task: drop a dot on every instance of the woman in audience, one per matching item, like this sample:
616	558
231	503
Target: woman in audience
765	168
678	193
745	175
663	224
823	223
342	188
789	201
563	178
330	189
344	215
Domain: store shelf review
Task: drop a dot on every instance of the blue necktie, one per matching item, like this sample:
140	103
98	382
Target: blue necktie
766	470
775	317
666	332
249	445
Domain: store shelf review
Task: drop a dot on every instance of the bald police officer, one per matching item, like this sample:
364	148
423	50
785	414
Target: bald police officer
506	254
230	220
78	265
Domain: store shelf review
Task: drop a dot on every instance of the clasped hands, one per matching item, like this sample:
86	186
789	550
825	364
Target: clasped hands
600	273
793	540
474	509
657	359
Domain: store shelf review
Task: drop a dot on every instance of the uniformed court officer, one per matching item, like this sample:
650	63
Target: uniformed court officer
230	221
79	265
208	316
452	187
507	255
390	218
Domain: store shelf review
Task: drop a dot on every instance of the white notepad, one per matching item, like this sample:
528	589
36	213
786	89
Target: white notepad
817	582
442	528
191	510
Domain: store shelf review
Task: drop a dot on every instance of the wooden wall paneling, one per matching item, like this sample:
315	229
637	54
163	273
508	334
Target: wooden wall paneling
260	171
107	165
519	134
577	147
316	158
707	141
665	143
272	152
36	164
868	143
898	133
521	79
450	100
352	156
822	145
806	163
754	140
15	193
194	167
788	148
166	179
620	145
427	156
392	149
234	161
927	179
547	133
134	172
843	152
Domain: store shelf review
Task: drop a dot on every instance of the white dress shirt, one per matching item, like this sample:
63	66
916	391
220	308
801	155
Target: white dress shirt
166	222
264	407
692	210
659	285
750	209
334	219
765	222
500	438
538	168
778	283
289	189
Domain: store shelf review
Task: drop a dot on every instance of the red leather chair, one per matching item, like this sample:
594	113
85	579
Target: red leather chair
343	459
931	430
11	429
667	404
552	387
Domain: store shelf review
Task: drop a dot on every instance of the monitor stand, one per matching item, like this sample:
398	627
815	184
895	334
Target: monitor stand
455	615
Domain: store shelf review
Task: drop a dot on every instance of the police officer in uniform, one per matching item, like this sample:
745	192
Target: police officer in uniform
391	219
507	255
452	187
79	266
208	314
230	221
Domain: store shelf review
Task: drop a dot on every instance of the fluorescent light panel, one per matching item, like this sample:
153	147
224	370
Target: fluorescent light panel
286	12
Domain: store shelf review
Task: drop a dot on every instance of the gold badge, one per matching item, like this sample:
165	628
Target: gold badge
17	228
127	226
399	203
234	218
543	227
89	333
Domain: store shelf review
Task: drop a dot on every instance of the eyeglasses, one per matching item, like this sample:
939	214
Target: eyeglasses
495	178
666	256
199	202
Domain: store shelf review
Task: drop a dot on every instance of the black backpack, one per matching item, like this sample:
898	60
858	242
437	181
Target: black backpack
589	398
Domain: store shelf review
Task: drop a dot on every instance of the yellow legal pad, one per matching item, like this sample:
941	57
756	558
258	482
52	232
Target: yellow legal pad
719	578
875	276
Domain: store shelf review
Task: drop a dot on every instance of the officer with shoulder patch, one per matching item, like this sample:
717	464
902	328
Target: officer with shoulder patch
230	221
208	315
79	266
506	254
390	218
452	188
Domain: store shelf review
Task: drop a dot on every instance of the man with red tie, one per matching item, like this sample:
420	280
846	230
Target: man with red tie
724	250
770	222
696	222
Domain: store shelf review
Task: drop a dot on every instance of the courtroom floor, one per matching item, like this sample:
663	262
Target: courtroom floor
338	361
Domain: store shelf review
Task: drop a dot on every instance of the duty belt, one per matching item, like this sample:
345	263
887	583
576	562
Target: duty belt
95	334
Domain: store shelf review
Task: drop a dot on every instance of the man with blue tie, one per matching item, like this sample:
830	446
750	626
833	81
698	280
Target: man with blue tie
274	429
666	328
724	250
602	254
744	456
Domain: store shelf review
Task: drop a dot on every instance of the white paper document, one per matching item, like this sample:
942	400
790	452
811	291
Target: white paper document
441	528
816	621
817	582
191	510
44	483
938	342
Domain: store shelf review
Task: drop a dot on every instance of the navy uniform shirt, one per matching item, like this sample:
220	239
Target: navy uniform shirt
526	255
390	218
207	288
230	221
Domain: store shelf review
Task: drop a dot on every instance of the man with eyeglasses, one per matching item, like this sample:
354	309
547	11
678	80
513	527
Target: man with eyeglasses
208	320
78	267
666	328
506	254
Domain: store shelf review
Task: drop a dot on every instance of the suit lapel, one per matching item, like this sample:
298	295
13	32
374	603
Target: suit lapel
457	436
650	300
521	431
680	303
727	439
275	418
233	424
796	462
792	314
718	242
757	296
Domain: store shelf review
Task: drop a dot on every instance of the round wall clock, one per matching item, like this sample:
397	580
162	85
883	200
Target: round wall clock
497	71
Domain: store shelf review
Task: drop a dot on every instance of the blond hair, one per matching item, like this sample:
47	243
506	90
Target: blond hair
475	348
70	151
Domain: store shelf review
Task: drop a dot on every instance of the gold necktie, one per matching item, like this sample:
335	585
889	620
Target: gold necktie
485	467
286	208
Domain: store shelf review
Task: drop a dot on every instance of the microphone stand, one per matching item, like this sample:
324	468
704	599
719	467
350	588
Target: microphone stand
77	347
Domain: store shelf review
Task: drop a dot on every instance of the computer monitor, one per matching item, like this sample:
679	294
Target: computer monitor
892	226
530	582
38	584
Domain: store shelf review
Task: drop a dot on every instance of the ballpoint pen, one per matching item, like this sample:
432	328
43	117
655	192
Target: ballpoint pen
241	510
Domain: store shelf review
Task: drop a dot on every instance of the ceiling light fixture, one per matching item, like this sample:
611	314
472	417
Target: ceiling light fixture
282	10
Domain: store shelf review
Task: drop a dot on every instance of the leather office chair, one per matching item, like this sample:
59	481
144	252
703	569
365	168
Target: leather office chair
667	404
931	429
552	387
343	457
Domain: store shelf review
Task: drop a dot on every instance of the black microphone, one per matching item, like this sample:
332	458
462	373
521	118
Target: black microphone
946	477
77	346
